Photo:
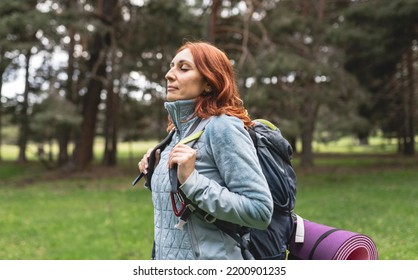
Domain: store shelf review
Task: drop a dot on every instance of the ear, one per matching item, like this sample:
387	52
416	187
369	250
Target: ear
208	88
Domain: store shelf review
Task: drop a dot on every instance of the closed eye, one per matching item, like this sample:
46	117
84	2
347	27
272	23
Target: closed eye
184	69
182	65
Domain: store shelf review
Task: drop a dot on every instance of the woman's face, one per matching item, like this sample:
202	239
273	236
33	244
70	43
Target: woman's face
184	81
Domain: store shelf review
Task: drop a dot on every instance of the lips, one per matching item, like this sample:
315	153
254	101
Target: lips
171	88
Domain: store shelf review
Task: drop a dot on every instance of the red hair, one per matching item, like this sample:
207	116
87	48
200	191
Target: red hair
218	72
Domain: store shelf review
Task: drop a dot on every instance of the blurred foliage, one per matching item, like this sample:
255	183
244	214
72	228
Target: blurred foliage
312	67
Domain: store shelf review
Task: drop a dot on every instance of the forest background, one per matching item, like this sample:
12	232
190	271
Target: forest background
82	82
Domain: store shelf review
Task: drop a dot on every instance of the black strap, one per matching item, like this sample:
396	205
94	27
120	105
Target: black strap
152	159
319	240
236	232
199	124
242	241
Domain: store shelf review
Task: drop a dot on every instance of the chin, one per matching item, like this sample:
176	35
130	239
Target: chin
170	98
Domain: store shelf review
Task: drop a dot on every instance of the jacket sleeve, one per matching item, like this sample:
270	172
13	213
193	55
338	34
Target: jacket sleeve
241	194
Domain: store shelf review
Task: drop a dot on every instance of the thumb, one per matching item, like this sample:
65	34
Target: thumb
157	157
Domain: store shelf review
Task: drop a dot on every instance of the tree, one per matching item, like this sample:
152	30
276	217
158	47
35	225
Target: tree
289	57
290	71
50	119
381	51
70	18
4	62
98	48
24	24
7	10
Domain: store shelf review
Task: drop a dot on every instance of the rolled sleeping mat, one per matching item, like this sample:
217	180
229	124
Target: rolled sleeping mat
313	241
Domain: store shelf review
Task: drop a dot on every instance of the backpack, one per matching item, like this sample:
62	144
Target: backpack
274	153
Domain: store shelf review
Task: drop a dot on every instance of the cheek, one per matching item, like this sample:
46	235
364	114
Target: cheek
195	87
199	85
197	91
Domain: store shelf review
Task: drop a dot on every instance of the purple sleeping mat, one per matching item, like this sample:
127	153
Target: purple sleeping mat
322	242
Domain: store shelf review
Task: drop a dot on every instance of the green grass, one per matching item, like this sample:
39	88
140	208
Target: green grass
98	215
125	149
379	203
75	219
377	145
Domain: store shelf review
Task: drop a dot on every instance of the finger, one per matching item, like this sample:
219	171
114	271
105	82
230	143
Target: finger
175	155
140	166
148	153
181	154
181	148
143	164
157	157
186	165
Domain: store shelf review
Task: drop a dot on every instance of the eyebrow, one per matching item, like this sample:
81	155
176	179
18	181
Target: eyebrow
182	62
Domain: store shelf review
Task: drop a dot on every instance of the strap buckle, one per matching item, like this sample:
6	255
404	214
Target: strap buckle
209	218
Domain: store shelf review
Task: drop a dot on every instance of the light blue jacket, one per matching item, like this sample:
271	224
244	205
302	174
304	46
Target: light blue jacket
227	182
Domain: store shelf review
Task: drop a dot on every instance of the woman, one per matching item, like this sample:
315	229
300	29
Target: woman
221	174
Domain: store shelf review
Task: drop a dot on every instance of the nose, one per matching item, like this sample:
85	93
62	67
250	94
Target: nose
169	75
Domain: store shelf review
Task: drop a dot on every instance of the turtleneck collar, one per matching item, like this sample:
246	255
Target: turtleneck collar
180	112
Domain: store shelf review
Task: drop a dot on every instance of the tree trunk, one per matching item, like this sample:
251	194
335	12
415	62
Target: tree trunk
309	112
83	151
310	106
216	4
410	108
1	112
112	103
23	115
65	136
111	127
307	159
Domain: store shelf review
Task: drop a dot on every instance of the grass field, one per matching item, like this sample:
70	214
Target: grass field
98	215
380	203
75	218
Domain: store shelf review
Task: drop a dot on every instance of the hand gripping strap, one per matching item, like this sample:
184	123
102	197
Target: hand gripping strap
152	159
195	131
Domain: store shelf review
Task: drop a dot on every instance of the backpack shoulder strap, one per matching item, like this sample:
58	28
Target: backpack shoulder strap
194	133
152	159
198	126
267	123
